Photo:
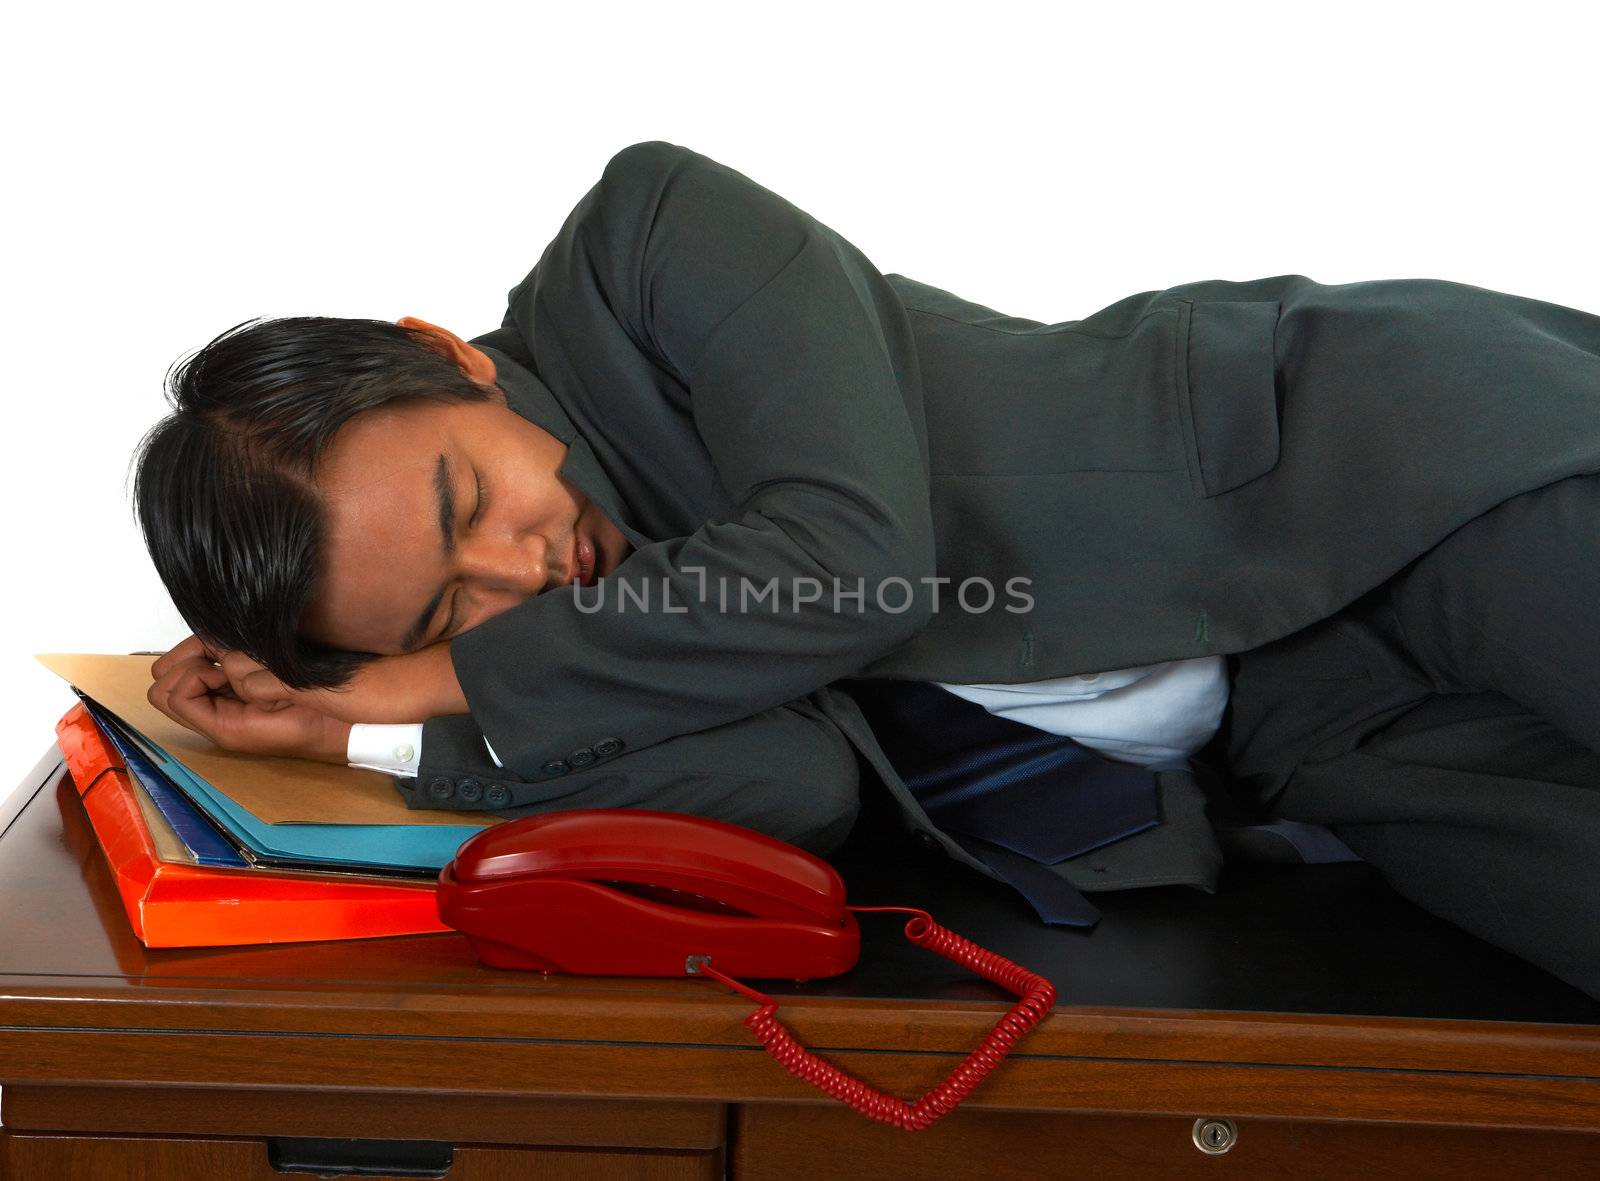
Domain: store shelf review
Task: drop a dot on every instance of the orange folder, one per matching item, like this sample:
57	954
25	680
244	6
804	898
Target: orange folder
180	904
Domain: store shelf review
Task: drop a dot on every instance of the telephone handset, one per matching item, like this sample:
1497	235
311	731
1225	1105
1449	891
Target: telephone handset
628	892
631	892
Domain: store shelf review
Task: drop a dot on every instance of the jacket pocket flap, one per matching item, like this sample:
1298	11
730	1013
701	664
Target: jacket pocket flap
1229	404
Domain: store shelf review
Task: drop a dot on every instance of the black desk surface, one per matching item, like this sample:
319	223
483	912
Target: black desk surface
1317	939
1330	939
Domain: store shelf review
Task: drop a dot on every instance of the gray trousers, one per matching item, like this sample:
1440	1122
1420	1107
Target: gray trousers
1446	727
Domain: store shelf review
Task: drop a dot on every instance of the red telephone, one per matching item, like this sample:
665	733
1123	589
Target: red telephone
626	892
630	892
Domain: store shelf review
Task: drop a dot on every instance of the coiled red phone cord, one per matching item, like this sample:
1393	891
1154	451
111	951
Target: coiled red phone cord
1037	995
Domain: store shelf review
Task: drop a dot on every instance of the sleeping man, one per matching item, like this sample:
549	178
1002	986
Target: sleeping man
723	520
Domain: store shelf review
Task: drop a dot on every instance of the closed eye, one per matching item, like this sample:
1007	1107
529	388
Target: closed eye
452	623
483	499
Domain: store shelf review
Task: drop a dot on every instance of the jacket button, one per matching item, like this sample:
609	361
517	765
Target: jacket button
440	788
496	795
608	746
555	767
581	757
470	791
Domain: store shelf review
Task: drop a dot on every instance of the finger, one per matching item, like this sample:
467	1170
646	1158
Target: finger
156	695
163	684
160	692
197	713
238	665
262	688
181	651
197	679
245	674
193	646
191	702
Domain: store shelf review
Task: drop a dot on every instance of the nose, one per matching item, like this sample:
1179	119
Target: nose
504	566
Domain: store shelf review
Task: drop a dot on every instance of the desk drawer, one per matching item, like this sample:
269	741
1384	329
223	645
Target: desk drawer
264	1112
772	1142
30	1156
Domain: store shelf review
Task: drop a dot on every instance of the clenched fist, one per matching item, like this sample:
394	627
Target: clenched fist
218	699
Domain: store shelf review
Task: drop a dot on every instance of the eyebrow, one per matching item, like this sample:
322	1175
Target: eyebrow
446	496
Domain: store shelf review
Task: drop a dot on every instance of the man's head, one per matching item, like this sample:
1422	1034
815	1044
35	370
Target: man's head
327	490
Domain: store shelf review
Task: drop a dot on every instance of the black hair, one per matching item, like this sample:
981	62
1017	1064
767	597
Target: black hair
224	488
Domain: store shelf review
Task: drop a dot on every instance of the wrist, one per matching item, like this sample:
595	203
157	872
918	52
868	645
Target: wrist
446	696
334	745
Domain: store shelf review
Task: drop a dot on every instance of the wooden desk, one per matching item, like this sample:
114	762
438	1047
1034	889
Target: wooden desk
121	1062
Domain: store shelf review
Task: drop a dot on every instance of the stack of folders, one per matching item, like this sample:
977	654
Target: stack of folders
212	848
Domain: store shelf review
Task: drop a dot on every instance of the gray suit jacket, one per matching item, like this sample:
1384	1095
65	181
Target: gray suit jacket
1187	472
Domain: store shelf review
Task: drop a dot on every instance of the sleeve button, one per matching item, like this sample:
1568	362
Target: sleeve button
581	757
555	767
470	791
496	795
405	752
440	788
608	746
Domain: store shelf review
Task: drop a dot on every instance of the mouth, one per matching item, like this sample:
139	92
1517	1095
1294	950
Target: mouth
583	561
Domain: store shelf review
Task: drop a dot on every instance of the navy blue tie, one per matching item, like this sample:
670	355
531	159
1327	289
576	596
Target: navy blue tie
1015	797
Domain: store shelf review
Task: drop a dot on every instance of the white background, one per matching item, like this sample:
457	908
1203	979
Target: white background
174	170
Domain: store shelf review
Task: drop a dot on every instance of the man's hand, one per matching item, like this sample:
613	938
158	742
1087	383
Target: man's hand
195	693
409	688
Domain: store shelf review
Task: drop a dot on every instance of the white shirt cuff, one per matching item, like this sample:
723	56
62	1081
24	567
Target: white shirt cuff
395	749
492	755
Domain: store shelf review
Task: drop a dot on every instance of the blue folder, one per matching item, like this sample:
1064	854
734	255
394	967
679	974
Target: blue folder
191	825
367	846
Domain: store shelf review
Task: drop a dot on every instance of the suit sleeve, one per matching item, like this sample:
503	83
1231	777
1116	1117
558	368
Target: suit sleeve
800	372
787	771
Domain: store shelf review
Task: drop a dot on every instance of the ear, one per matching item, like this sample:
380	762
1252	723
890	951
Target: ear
474	362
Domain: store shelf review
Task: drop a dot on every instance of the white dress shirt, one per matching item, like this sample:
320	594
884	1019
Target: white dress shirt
1152	714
